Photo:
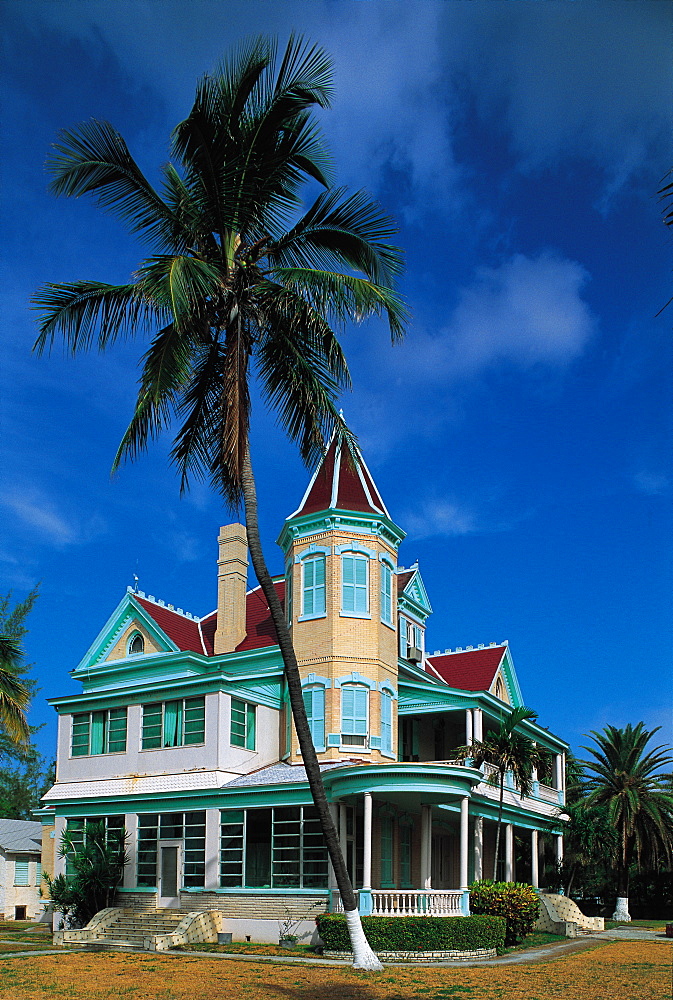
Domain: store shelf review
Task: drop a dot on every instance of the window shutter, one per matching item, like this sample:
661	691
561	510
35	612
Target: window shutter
347	584
38	873
361	595
20	872
386	723
354	711
250	735
386	593
403	637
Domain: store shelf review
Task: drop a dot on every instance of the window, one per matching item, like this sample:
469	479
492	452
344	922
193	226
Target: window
403	638
314	703
313	590
136	645
411	637
79	827
190	828
174	723
354	584
276	848
99	732
386	723
354	715
20	872
242	724
386	593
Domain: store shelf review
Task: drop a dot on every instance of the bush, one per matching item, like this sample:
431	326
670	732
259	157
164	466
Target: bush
416	933
517	902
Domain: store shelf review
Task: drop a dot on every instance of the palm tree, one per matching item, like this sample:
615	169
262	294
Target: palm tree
625	777
239	284
507	749
14	695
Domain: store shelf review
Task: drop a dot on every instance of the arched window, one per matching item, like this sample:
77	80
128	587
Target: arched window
136	644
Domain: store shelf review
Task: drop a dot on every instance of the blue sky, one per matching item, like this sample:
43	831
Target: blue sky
521	435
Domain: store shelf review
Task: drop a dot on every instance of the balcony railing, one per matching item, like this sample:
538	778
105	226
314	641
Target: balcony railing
411	903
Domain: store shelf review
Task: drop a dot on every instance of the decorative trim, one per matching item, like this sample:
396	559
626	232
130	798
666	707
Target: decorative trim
356	547
316	679
355	678
312	550
365	616
310	618
387	686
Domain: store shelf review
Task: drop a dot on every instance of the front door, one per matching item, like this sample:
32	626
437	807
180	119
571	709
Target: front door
170	873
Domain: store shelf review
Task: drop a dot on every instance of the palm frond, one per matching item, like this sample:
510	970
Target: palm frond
87	311
183	287
93	158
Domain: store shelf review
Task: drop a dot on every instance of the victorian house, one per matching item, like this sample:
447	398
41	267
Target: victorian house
182	734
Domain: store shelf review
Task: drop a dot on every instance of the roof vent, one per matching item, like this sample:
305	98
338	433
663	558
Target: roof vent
449	650
469	647
480	646
161	602
459	649
180	611
170	607
151	597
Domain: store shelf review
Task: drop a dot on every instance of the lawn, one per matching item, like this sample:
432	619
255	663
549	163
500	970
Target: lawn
616	969
24	935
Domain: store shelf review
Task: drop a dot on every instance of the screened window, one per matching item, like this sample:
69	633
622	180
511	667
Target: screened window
99	732
20	872
277	848
354	715
243	724
386	593
313	589
354	584
174	723
314	703
386	723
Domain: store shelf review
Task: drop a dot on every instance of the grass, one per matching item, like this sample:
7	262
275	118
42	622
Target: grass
609	969
536	940
645	925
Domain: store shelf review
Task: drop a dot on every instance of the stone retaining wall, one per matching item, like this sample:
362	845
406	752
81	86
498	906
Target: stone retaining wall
421	956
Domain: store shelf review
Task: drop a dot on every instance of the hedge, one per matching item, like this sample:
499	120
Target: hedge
415	933
517	902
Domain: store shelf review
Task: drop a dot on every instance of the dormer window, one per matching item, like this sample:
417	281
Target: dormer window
411	640
136	644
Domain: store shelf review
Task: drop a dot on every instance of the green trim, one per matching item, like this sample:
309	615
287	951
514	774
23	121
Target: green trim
336	519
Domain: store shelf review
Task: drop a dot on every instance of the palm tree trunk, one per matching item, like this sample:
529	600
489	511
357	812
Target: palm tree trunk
363	956
497	835
622	906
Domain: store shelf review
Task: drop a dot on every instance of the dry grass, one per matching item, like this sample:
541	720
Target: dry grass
636	969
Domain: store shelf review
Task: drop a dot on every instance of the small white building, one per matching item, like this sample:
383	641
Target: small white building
20	870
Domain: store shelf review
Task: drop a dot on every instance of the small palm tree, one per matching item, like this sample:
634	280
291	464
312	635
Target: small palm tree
14	696
239	284
626	778
508	749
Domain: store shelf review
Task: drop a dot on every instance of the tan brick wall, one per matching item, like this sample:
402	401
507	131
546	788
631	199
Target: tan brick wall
120	649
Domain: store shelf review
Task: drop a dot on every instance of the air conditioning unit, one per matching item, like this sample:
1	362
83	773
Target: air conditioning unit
414	654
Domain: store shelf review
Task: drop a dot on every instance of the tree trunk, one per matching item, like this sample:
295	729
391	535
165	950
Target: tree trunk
363	956
497	835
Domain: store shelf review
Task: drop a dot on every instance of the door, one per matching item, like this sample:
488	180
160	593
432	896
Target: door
170	873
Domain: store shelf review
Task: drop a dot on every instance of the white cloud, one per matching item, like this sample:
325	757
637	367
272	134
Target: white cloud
653	483
440	517
528	312
37	514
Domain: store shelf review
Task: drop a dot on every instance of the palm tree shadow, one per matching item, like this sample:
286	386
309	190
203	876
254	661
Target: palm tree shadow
347	991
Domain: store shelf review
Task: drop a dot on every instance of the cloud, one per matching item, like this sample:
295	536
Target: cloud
527	312
35	513
440	517
653	484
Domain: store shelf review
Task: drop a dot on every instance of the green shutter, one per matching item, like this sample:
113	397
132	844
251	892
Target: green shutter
386	593
80	734
237	723
20	872
386	722
250	734
403	637
354	710
314	703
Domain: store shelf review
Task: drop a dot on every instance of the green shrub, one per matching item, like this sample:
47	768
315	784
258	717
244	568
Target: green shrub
517	902
416	933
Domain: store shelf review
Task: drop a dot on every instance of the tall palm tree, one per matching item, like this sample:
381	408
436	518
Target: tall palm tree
508	749
14	696
626	778
240	284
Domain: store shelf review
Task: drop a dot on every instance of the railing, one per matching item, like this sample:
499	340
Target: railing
412	903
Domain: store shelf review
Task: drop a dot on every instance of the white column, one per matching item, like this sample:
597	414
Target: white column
479	847
469	729
426	847
478	725
558	780
130	870
534	860
559	848
212	880
464	830
367	846
509	852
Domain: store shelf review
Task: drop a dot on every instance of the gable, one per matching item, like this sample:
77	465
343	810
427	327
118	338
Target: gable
411	593
111	643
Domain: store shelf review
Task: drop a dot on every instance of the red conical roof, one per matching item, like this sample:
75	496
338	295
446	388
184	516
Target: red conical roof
341	481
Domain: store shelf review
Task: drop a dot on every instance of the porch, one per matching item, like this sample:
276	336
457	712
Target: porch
408	903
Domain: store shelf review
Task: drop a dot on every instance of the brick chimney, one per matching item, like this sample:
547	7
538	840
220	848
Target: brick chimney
232	576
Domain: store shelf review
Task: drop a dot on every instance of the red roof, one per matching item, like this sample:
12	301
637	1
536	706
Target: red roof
183	631
470	669
341	481
403	578
190	634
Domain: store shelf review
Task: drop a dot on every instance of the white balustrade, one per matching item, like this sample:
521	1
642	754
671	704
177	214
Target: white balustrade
411	903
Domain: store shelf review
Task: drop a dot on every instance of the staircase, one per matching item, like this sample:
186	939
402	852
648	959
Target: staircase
118	929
